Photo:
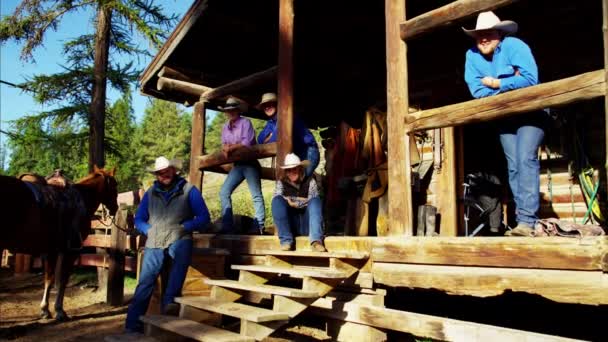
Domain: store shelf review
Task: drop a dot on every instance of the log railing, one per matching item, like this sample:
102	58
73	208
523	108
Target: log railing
446	15
243	153
557	93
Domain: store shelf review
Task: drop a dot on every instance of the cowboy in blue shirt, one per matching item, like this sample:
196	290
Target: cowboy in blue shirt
304	144
499	63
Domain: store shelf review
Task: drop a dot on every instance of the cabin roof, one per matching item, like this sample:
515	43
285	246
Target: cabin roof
339	51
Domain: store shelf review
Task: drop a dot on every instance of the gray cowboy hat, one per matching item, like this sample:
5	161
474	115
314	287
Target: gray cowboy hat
234	104
490	21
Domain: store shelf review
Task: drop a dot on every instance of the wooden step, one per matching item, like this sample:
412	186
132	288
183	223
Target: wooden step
193	330
130	337
210	251
298	272
238	310
267	289
311	254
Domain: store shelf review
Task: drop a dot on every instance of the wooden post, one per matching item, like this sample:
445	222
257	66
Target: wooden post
197	144
399	166
285	81
446	201
605	34
116	269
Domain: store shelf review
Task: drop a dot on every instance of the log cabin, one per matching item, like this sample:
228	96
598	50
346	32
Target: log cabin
331	62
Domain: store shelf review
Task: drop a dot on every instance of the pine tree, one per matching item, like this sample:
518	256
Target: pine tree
80	90
121	132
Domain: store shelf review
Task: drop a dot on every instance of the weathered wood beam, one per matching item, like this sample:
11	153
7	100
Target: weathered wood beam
240	84
285	81
543	253
169	72
605	35
565	286
197	144
265	172
557	93
437	328
243	153
171	85
446	15
447	205
400	210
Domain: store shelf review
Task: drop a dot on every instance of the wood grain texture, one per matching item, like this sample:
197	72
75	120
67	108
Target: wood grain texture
446	15
166	84
285	82
240	84
197	143
561	92
243	153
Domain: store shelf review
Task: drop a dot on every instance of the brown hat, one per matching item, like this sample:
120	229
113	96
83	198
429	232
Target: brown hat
266	98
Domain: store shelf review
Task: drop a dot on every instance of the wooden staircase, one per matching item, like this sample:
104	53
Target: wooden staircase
259	300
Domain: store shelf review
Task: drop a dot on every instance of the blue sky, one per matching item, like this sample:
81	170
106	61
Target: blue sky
48	59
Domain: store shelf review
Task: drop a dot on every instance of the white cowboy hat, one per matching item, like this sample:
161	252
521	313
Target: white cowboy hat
268	97
162	163
291	161
489	21
234	104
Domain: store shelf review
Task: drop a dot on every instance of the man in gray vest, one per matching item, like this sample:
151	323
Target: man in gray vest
168	214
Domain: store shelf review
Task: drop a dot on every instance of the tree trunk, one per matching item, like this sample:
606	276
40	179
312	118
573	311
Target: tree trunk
97	113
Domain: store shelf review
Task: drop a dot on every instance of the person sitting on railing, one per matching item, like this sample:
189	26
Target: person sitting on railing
296	206
238	133
168	214
304	143
496	64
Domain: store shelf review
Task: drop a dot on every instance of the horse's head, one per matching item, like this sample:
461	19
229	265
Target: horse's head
107	188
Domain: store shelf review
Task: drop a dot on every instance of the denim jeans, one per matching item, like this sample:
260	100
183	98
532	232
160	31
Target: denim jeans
181	253
241	171
313	156
305	221
520	141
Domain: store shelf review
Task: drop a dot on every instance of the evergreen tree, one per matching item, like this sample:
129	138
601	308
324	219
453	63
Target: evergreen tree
80	90
121	131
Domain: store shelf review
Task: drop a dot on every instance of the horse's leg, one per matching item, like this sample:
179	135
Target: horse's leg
50	263
64	269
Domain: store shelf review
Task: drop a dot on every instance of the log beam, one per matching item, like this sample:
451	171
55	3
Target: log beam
243	153
285	81
557	93
197	143
605	35
400	210
240	84
564	286
446	15
171	85
265	172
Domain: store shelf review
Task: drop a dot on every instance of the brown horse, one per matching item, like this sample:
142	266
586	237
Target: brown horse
45	219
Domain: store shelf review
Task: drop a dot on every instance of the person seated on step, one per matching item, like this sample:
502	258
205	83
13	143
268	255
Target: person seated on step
237	133
296	206
304	143
168	214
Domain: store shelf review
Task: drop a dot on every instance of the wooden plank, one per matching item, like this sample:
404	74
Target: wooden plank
98	240
447	205
399	166
552	94
297	272
129	337
100	260
243	153
285	82
165	84
342	331
116	267
447	15
579	287
267	289
241	84
605	35
197	143
265	172
248	312
519	252
437	328
193	330
311	254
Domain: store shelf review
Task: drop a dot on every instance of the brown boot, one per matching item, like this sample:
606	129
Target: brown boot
287	247
318	246
522	229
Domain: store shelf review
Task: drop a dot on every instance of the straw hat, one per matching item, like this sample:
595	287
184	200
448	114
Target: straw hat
234	104
291	161
268	97
489	21
162	163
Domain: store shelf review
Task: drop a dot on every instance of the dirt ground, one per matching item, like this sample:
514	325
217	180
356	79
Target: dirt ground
90	319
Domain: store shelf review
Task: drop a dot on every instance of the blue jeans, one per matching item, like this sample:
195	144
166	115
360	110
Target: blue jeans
520	142
305	221
313	156
181	253
241	171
